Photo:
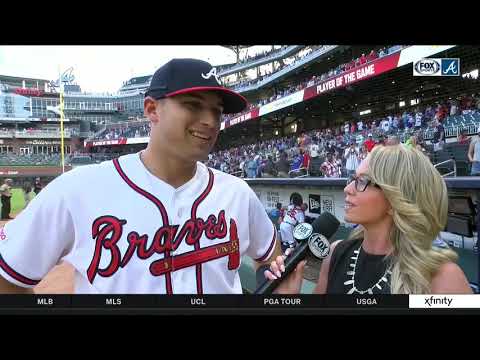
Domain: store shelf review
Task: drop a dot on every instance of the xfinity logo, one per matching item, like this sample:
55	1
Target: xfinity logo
437	67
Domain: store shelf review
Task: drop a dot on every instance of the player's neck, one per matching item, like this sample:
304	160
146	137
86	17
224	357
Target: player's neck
172	171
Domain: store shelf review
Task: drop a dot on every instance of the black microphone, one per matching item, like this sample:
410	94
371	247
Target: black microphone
314	237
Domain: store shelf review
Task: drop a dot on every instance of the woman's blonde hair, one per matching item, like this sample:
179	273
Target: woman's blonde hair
418	196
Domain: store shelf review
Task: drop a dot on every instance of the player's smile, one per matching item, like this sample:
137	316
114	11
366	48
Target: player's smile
202	136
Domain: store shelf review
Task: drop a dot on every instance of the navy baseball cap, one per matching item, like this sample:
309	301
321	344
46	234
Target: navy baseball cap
182	76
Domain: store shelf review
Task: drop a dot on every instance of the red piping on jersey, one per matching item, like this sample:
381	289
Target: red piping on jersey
195	205
23	279
158	204
264	257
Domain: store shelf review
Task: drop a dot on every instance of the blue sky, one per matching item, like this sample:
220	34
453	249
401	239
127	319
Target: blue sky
103	68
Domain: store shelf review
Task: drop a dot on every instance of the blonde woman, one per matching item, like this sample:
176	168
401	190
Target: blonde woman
400	202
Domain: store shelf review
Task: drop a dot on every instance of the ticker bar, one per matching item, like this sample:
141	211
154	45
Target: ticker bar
114	301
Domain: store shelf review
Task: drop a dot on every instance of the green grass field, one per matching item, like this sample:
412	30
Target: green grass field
18	201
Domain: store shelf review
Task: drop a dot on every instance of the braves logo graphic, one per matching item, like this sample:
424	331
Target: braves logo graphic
212	72
108	230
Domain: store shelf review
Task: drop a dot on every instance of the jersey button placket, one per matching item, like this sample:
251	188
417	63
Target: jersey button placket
174	221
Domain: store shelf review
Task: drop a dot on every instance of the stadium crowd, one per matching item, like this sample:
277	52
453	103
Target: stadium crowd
126	130
314	80
257	56
336	152
333	151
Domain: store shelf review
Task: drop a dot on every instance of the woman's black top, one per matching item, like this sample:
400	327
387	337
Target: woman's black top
351	266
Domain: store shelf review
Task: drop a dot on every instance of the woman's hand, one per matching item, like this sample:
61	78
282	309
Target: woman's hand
292	284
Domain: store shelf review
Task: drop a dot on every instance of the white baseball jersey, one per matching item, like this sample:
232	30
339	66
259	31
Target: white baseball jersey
126	231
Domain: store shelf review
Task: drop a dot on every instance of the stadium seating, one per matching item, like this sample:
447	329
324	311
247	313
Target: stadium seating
31	160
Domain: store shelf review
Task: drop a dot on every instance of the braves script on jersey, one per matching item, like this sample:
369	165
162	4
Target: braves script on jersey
126	231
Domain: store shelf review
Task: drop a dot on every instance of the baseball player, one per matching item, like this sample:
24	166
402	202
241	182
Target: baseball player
293	216
158	221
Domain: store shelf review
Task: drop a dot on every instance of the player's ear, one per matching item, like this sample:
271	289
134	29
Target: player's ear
150	107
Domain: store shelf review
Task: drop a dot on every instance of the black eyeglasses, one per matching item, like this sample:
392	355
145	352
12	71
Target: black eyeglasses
361	182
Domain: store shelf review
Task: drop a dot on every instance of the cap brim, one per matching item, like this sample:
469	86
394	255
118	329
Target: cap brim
232	102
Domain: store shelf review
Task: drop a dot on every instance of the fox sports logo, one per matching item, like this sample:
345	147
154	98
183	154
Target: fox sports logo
427	67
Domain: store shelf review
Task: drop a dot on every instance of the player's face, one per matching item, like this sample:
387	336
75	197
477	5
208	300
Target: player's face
365	207
187	124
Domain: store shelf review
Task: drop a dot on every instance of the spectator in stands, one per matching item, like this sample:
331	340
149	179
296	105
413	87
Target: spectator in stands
401	123
330	167
363	59
363	152
242	167
305	161
474	154
283	165
395	123
360	125
269	170
453	108
353	127
251	167
330	148
296	165
370	143
463	137
441	112
372	56
337	158
224	166
314	149
352	158
438	136
385	125
418	120
410	121
6	193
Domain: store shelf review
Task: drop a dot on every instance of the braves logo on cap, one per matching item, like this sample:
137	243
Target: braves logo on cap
211	73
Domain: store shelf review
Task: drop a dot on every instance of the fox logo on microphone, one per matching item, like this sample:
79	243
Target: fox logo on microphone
319	245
